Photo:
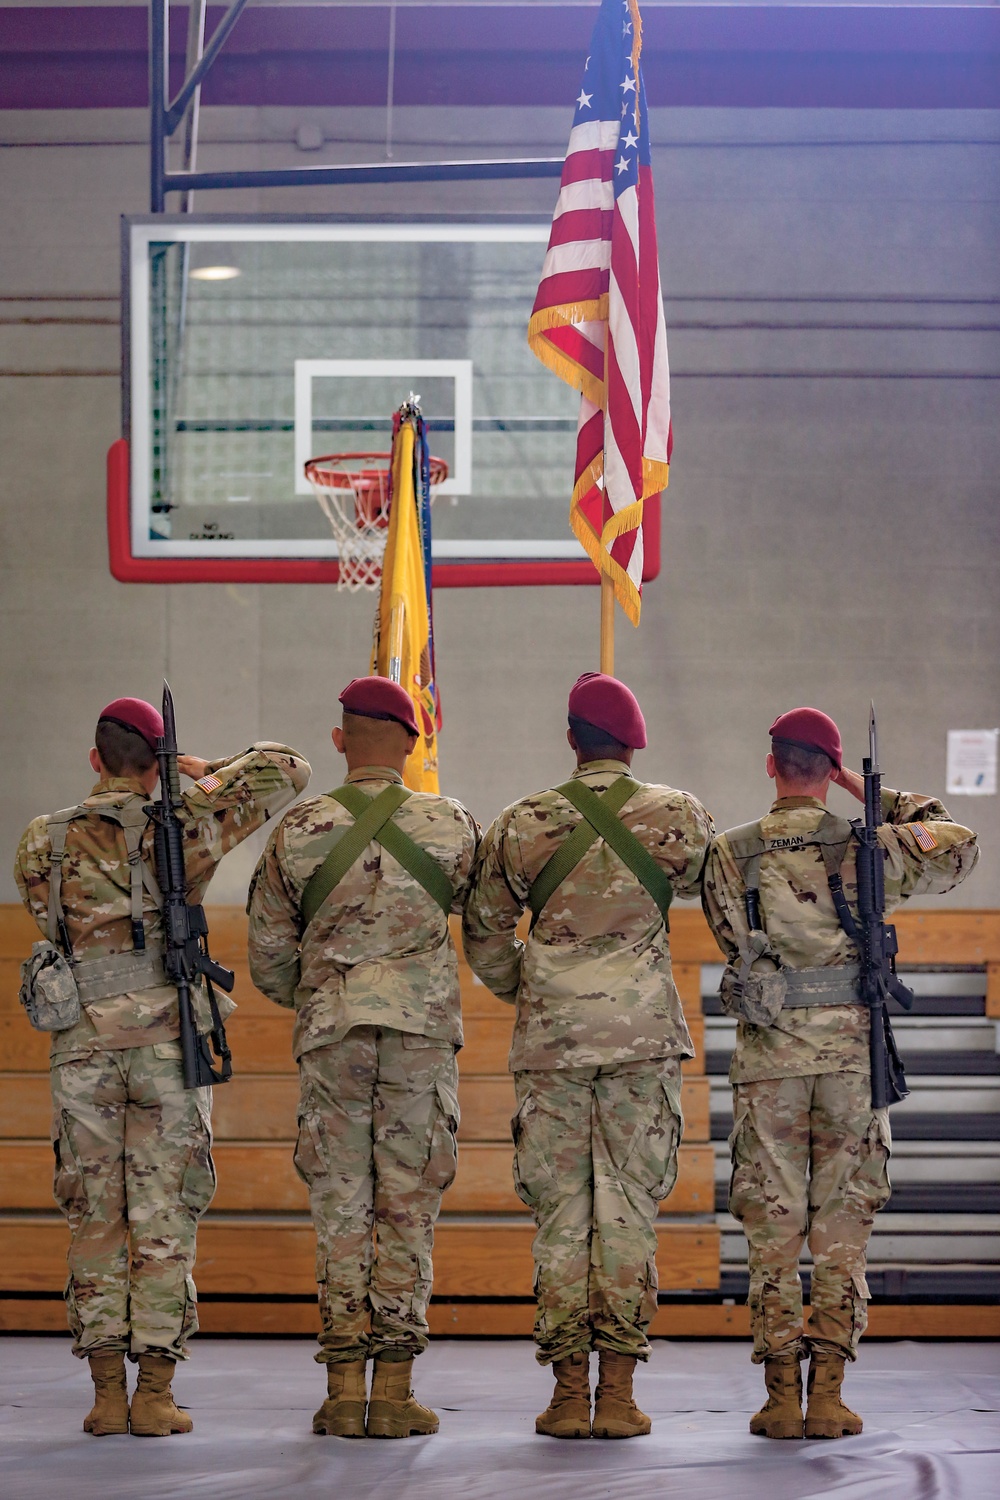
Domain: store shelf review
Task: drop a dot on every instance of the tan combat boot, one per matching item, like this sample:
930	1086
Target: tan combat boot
392	1410
615	1413
781	1416
153	1412
568	1413
109	1413
343	1412
826	1414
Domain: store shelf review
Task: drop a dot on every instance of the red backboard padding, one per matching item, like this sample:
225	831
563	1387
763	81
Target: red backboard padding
498	574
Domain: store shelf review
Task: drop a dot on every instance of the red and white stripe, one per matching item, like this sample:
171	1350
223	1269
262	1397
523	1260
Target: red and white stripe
598	323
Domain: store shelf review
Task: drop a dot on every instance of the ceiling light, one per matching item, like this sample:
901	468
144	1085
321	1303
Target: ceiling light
215	273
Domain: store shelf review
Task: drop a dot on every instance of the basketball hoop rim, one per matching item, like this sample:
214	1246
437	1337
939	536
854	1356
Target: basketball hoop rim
323	470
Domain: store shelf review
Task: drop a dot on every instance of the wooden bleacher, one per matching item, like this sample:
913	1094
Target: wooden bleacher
256	1247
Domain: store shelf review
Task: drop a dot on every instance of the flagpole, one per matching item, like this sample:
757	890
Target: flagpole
397	622
607	624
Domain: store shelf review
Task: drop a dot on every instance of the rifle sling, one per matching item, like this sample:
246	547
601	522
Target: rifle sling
372	822
599	819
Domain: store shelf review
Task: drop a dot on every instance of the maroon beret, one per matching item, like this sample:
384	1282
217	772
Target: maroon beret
378	698
809	729
609	705
135	714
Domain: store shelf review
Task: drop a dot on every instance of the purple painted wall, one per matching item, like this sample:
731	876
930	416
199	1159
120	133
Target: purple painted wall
847	57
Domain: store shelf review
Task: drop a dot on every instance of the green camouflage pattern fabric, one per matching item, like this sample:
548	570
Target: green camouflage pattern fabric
595	1151
133	1146
810	1165
378	1115
379	951
592	985
133	1174
234	798
805	932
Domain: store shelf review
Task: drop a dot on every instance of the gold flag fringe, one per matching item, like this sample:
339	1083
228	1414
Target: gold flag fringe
633	6
556	360
592	474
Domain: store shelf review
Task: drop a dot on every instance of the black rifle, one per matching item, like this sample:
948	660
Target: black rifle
185	928
876	940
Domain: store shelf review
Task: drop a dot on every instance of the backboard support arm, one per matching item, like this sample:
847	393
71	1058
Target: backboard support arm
164	118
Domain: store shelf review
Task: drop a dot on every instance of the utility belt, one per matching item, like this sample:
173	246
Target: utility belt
55	989
55	984
829	986
118	973
757	988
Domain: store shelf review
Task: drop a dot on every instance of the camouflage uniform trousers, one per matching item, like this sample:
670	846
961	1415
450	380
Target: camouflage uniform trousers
378	1115
133	1175
595	1150
810	1164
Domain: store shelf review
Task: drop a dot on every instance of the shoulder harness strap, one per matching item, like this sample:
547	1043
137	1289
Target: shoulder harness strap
373	821
57	824
599	818
832	836
132	818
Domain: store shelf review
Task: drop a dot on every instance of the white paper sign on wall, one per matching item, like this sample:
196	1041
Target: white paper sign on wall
972	762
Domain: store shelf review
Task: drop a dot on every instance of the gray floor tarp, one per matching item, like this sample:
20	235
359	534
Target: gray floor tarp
932	1431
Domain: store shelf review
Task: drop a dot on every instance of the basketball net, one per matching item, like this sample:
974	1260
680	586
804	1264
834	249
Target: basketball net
353	491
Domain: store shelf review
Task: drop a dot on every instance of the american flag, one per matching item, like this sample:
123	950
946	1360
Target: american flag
598	316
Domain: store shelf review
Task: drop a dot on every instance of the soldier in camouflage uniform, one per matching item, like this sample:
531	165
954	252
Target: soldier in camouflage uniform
599	1036
364	955
810	1155
133	1164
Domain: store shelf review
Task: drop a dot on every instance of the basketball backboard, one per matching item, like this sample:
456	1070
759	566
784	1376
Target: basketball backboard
251	345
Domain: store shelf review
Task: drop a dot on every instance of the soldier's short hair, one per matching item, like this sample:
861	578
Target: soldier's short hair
595	742
797	764
122	750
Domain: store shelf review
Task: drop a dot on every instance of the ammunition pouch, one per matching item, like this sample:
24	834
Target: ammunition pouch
49	992
54	989
754	990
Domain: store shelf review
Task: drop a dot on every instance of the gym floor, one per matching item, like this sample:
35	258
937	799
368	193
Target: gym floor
931	1410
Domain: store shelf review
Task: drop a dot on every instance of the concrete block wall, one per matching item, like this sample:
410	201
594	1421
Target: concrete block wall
830	532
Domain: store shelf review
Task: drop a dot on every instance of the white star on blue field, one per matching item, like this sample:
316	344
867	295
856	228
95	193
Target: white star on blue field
610	88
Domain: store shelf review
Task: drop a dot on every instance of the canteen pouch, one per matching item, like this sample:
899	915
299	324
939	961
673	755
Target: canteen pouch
48	989
754	990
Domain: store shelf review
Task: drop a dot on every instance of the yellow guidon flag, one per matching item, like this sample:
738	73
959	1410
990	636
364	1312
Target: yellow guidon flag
403	647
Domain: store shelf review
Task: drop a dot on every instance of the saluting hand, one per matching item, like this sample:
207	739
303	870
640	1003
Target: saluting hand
849	780
193	766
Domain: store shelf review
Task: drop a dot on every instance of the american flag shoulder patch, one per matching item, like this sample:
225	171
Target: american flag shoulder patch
209	783
924	837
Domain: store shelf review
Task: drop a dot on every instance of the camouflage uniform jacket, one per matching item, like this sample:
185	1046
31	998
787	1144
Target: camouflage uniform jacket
798	913
235	797
592	984
379	951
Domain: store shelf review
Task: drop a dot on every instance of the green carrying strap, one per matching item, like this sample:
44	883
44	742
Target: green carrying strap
599	819
372	821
